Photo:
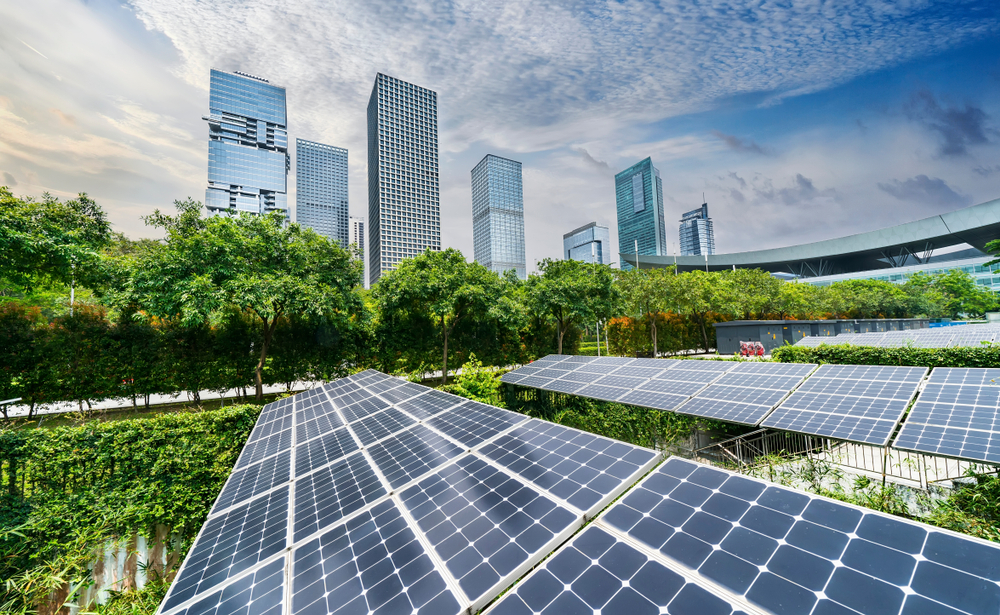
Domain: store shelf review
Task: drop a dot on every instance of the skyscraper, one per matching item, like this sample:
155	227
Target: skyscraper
404	207
247	145
321	189
498	215
697	234
358	234
639	196
589	243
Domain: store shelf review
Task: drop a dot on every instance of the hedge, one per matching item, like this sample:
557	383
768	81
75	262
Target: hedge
847	354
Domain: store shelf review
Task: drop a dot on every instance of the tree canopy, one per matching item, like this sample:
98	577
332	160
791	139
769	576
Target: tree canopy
571	293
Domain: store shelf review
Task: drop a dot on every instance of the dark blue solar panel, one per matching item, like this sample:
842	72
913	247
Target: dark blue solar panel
258	593
672	387
473	423
265	447
321	451
652	399
372	564
602	392
583	469
265	427
598	572
362	408
322	424
412	453
379	425
725	410
333	492
787	551
430	403
403	393
254	480
486	526
230	543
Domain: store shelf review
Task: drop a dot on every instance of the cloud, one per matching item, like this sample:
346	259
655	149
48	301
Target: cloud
986	171
599	165
737	196
958	127
742	182
66	119
740	145
926	191
9	180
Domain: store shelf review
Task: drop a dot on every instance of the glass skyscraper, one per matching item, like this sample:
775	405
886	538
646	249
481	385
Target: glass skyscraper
639	196
589	243
696	233
247	145
404	206
498	215
357	238
321	189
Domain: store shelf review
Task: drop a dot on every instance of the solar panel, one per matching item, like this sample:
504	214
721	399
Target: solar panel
786	551
656	400
487	527
372	564
957	415
813	341
585	470
747	393
599	572
858	403
385	512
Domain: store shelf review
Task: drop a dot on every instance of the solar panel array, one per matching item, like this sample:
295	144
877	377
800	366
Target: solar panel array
956	415
372	494
939	337
725	390
859	403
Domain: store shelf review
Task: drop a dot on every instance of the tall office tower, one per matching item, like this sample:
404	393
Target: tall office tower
589	243
404	206
498	215
697	234
358	234
247	145
321	189
639	195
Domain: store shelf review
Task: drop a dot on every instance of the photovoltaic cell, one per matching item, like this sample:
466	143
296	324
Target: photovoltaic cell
258	593
324	450
372	564
472	423
673	387
598	572
230	543
363	407
322	424
789	552
263	429
747	393
487	527
379	425
412	453
333	492
430	403
858	403
652	399
265	447
602	392
403	393
254	480
957	415
583	469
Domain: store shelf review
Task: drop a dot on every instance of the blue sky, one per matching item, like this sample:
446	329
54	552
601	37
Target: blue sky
798	120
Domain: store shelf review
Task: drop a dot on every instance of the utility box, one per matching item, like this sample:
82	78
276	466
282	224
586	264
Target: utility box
822	328
846	326
728	335
794	330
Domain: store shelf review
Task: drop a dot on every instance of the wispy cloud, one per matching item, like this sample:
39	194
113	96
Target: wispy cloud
740	145
958	127
925	190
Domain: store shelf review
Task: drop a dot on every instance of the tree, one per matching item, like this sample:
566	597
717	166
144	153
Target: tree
697	294
440	289
50	240
255	264
749	291
647	293
571	293
962	296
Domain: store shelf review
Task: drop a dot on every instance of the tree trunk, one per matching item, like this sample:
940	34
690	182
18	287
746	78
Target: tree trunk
652	327
704	333
259	372
562	332
444	371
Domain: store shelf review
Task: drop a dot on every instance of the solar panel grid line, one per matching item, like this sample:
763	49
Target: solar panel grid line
787	550
277	467
469	466
186	607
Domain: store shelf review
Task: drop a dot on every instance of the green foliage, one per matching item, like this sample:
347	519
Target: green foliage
641	426
50	240
67	490
572	293
972	508
478	383
136	601
254	264
847	354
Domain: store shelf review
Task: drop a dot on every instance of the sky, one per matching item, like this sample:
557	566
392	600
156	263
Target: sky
796	120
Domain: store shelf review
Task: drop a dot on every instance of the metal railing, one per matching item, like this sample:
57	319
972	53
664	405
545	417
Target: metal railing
887	463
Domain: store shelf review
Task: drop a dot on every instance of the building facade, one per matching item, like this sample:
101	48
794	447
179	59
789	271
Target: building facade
321	189
498	215
639	198
589	243
985	275
357	237
696	233
404	205
247	146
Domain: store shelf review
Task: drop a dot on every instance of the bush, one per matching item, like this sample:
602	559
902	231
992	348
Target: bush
68	490
847	354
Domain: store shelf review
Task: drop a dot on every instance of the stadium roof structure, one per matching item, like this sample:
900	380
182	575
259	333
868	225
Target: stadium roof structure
882	249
